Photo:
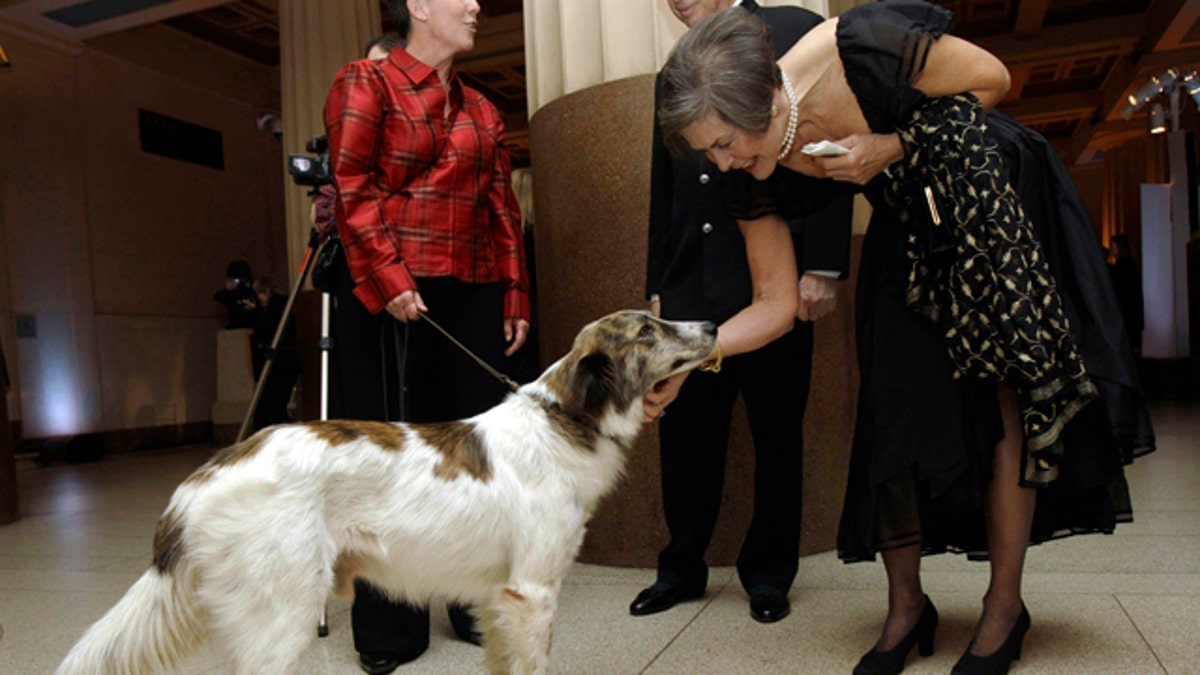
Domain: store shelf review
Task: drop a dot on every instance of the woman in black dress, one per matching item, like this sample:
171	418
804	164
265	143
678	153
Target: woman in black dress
998	401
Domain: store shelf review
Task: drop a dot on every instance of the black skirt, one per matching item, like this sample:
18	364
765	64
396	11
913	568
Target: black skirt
924	441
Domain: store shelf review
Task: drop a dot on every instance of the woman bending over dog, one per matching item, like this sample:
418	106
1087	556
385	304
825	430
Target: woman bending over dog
999	399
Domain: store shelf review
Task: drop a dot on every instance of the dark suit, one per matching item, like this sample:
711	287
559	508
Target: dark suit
697	265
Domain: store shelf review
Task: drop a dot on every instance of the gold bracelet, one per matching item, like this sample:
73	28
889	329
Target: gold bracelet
713	365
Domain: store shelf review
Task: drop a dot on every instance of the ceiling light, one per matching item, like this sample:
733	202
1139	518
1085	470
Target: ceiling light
1168	79
1158	119
1167	83
1152	88
1191	84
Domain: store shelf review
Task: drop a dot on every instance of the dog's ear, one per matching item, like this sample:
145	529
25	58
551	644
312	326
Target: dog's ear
593	385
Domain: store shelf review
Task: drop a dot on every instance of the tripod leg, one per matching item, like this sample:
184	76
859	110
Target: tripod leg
305	267
326	345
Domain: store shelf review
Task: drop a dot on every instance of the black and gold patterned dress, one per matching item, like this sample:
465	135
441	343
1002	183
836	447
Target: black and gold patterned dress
1017	294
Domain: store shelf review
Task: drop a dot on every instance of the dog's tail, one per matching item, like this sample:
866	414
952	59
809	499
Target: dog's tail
158	621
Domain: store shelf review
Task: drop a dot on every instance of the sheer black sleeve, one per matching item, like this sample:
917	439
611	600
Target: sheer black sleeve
883	46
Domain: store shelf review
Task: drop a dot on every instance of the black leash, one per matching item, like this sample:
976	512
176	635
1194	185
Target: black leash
506	380
400	342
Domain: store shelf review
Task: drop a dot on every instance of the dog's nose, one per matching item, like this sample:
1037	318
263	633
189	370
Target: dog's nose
710	328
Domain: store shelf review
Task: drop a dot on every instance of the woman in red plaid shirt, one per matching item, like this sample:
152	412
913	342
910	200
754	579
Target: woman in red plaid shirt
429	223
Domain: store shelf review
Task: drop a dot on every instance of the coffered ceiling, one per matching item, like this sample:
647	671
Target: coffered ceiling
1073	62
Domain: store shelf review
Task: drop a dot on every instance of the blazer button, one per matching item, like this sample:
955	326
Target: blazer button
706	228
704	179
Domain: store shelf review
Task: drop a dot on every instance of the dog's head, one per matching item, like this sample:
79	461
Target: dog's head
617	358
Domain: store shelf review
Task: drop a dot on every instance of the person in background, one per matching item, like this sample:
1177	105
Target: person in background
379	48
430	227
696	270
1127	283
525	365
285	357
238	296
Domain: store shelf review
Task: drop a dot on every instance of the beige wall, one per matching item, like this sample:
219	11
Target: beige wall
115	252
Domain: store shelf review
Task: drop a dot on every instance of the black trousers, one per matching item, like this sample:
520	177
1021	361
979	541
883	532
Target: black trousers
773	382
441	383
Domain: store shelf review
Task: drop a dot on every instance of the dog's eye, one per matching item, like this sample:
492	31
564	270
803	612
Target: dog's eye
646	331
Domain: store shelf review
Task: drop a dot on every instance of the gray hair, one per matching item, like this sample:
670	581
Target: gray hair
724	66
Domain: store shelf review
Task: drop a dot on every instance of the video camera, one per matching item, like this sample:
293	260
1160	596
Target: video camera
308	170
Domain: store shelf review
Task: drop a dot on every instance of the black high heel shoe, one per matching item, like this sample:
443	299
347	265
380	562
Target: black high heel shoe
876	662
998	662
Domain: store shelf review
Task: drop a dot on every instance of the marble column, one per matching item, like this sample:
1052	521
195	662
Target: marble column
590	71
311	54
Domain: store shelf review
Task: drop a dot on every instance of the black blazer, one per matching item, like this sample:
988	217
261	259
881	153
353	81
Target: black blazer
696	260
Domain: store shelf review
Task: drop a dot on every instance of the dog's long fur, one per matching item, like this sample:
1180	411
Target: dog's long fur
488	511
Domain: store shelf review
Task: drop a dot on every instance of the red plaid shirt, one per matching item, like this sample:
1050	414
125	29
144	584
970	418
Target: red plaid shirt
422	194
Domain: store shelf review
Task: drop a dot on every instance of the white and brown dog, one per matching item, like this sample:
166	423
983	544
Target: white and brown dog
488	511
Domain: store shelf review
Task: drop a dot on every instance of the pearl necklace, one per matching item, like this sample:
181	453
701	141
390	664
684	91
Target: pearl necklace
789	136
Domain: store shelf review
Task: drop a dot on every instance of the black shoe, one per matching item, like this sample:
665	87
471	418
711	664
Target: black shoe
998	661
463	622
659	598
889	662
378	663
769	606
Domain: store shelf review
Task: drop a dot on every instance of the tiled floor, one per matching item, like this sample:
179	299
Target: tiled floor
1129	603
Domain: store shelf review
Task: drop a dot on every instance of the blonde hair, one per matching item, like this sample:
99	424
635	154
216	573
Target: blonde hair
522	185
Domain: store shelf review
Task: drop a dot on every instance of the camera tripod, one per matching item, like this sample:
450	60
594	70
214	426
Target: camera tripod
325	345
